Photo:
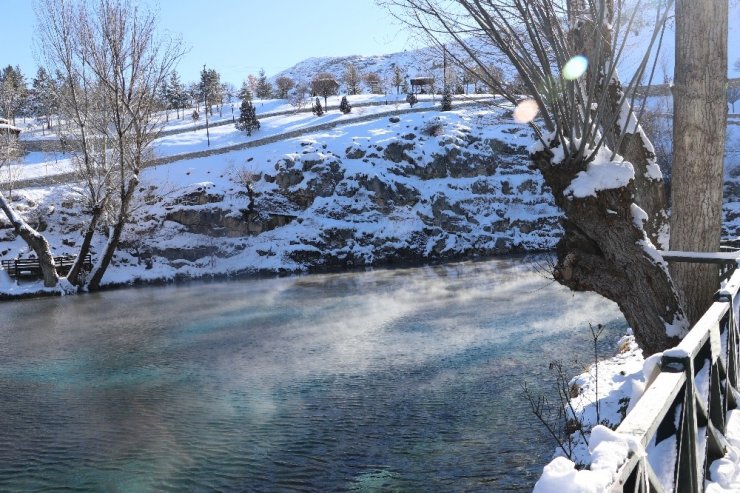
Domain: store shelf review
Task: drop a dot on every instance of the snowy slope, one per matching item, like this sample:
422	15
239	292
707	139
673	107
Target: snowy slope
415	187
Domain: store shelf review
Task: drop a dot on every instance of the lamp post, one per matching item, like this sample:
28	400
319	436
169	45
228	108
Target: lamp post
205	96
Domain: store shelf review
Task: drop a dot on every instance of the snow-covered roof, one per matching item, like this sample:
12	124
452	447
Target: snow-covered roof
7	127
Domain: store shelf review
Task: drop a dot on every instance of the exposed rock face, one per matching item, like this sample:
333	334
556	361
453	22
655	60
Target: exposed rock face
405	192
440	191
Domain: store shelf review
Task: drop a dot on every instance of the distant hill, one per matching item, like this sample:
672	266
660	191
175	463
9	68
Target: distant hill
428	61
423	62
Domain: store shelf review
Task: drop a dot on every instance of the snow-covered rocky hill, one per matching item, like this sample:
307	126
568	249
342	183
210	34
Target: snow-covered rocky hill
428	61
410	188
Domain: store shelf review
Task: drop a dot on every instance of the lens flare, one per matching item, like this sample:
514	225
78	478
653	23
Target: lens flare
575	67
526	111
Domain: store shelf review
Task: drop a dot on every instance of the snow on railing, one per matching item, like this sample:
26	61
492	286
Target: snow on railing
681	417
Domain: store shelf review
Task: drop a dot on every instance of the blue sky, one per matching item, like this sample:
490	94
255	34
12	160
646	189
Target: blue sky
238	37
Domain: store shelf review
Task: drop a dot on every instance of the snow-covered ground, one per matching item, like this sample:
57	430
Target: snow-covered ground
180	137
346	195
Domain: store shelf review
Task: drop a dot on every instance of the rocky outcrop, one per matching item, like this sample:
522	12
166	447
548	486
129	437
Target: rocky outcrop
436	191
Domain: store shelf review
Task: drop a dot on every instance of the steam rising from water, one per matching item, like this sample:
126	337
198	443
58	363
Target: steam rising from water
406	378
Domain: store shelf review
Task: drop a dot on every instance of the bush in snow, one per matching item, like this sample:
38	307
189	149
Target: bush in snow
344	106
411	99
248	118
433	128
317	109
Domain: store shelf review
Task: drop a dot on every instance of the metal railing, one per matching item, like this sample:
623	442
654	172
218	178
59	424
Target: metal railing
688	401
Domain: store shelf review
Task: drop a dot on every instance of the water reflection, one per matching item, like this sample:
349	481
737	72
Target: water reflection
392	380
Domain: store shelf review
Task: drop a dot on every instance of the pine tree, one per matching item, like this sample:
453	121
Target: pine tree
245	93
13	92
210	88
264	88
317	109
248	118
177	97
447	99
42	97
344	106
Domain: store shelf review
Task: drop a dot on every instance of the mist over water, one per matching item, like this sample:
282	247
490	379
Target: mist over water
390	380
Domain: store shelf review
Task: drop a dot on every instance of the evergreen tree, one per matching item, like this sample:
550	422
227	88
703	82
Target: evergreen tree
177	96
411	99
210	88
344	106
42	97
264	88
248	118
245	93
317	109
447	99
13	92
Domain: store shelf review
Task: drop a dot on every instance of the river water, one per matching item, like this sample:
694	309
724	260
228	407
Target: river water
389	380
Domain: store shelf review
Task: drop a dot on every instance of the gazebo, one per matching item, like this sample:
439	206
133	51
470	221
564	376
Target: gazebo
418	83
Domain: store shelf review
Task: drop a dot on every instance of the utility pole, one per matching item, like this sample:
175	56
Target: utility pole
205	103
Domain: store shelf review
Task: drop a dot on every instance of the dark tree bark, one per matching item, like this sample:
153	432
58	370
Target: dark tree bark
114	236
699	117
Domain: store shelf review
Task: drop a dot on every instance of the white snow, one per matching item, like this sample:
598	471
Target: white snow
600	175
608	449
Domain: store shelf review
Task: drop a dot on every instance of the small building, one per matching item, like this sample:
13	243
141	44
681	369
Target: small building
7	129
418	85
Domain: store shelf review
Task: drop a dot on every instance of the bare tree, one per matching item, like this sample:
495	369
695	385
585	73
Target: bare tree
352	79
699	120
284	84
300	96
397	78
374	81
113	63
324	85
587	129
733	95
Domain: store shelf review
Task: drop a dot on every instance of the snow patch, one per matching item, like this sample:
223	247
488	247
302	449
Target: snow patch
600	175
609	450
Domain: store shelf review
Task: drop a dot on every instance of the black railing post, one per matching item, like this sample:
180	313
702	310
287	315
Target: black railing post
686	475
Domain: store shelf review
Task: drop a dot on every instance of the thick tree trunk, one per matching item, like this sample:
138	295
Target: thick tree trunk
114	237
699	116
605	250
35	241
74	273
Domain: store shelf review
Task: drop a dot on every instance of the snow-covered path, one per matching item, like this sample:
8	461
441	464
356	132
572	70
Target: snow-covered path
41	168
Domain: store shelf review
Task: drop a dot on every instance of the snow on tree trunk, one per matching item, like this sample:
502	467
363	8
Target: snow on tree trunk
699	115
605	248
35	241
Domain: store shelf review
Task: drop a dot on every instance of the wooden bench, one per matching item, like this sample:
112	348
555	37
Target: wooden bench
30	267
